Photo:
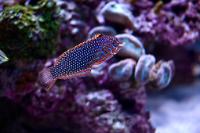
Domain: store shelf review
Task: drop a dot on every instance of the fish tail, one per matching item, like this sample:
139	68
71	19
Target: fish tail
46	79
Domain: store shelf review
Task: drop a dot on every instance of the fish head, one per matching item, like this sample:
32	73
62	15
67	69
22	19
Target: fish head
107	48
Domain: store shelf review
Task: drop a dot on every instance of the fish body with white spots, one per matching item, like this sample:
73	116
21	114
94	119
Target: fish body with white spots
79	60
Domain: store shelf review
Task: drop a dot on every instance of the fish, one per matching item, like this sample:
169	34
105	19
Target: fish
79	60
3	57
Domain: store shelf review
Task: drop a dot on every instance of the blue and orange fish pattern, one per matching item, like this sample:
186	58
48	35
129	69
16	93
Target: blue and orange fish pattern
79	60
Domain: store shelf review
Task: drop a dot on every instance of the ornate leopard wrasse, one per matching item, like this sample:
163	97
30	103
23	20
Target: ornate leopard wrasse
78	61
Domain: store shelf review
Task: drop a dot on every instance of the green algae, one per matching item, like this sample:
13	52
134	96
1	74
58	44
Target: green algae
29	32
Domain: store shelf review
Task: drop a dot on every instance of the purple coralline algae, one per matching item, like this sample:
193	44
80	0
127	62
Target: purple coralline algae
161	25
171	23
174	23
112	98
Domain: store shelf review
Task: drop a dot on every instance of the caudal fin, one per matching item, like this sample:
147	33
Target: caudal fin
46	79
